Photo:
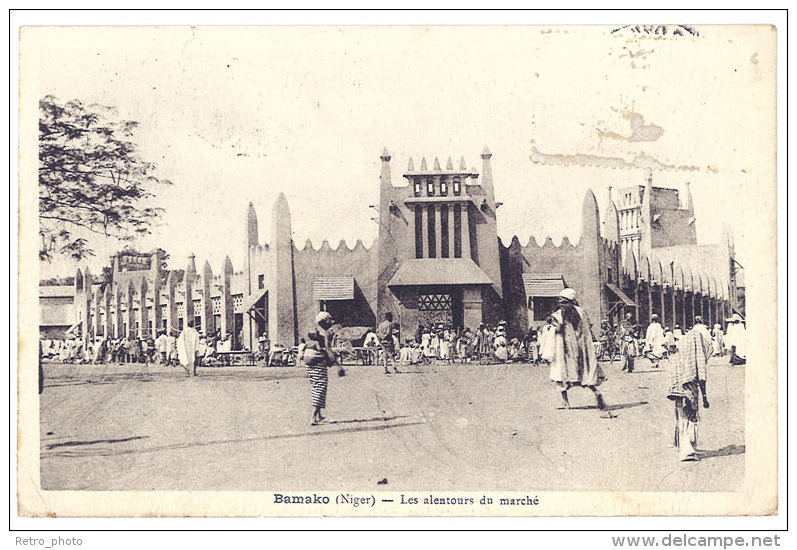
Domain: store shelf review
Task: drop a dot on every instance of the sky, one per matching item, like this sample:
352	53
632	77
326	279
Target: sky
233	115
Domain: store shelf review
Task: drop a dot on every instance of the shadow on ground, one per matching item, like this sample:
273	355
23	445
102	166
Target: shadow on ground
319	430
728	450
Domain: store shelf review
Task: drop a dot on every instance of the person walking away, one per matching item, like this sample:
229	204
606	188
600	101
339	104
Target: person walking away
669	341
693	354
371	345
629	331
187	345
171	349
654	341
385	334
161	346
574	361
547	341
718	338
134	350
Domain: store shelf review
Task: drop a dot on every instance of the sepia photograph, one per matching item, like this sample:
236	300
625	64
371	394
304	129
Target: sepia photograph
398	270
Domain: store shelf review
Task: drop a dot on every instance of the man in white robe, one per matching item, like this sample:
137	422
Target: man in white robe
187	345
654	341
171	349
736	340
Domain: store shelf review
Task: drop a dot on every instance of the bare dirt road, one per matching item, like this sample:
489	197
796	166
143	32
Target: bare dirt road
445	428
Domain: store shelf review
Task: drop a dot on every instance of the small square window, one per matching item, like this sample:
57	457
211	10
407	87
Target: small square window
443	187
457	186
261	282
430	188
417	188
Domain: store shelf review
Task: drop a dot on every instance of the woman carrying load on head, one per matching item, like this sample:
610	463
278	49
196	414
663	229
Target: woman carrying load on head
317	359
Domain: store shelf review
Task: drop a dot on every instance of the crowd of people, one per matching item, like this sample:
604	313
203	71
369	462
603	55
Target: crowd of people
163	349
624	341
442	343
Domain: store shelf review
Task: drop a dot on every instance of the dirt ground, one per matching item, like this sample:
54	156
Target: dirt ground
445	428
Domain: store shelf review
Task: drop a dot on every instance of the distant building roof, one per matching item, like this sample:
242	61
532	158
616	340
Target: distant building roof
59	291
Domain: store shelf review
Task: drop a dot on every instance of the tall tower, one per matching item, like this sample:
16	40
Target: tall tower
227	308
282	328
188	285
208	325
394	239
611	222
251	242
487	230
591	295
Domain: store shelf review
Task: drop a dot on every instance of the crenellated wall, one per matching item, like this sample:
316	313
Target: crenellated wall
358	262
273	291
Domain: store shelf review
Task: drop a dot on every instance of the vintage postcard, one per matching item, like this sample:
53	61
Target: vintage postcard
398	271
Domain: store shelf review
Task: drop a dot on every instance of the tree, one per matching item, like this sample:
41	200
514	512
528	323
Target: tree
91	178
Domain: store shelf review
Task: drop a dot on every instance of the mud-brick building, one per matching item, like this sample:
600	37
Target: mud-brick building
437	259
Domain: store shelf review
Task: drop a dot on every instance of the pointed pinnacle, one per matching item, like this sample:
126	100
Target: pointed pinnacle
462	165
423	164
486	153
410	166
436	165
385	155
449	164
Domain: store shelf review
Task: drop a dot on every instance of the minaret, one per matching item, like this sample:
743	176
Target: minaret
282	328
227	309
487	232
171	304
251	240
188	285
393	235
591	296
611	223
208	327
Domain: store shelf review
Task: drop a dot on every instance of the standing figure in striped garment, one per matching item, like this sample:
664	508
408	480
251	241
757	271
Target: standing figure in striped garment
317	359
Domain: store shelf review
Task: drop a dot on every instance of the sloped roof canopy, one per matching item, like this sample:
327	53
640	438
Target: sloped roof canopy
333	288
439	271
543	285
621	295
